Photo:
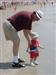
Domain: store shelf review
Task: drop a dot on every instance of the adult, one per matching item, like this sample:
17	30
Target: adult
20	21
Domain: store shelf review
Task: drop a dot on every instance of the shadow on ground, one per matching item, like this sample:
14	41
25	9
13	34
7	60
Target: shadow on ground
8	65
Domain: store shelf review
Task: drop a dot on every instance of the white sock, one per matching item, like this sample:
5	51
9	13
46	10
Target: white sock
15	59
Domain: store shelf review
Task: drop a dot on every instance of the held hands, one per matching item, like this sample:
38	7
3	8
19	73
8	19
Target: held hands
28	50
29	43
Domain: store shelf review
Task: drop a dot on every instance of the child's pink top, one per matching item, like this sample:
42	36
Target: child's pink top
35	43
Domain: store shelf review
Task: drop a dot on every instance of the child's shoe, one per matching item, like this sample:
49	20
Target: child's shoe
36	63
32	64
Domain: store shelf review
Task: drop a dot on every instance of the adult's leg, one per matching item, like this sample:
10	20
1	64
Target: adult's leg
11	34
16	44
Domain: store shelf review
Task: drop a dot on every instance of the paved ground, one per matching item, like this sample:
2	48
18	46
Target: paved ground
46	29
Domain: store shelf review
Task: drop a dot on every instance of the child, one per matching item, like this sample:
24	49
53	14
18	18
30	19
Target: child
33	49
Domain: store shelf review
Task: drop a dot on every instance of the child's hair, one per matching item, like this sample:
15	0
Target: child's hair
35	35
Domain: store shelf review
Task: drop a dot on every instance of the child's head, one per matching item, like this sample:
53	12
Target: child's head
35	36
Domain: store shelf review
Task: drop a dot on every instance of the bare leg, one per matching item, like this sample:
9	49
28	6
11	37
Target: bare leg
35	61
16	47
15	50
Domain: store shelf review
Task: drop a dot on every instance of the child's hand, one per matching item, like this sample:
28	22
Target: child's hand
42	47
28	50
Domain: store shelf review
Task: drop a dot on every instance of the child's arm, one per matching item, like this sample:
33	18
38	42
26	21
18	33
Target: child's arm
41	47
